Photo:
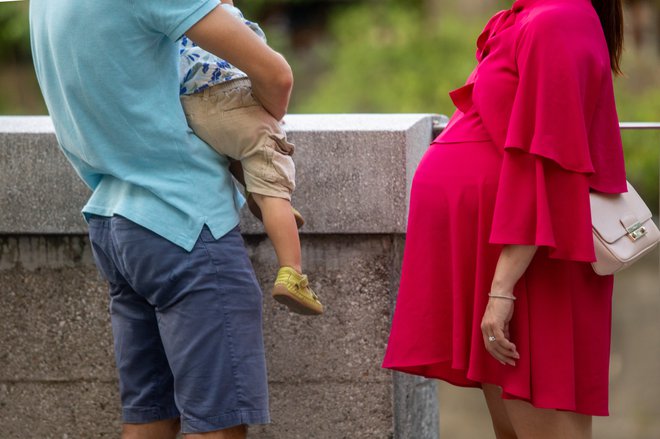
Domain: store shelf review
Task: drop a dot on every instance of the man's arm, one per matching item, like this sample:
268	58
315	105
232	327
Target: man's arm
225	36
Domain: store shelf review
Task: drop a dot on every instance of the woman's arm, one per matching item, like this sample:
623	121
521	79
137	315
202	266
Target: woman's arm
513	262
225	36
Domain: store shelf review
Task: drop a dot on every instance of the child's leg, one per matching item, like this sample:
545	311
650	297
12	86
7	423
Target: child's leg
240	128
236	169
280	225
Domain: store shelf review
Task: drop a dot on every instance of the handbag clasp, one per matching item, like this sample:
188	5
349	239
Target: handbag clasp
636	231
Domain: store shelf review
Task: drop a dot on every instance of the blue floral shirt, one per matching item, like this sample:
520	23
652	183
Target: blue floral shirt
199	69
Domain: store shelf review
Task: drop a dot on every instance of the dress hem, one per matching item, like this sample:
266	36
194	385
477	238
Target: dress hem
477	383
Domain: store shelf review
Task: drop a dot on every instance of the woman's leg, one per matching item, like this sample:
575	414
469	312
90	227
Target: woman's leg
501	422
534	423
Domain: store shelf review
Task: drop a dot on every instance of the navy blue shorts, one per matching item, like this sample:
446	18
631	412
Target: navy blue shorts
187	327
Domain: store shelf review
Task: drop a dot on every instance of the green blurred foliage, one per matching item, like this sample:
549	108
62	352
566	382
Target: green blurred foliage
18	85
641	148
14	31
381	56
638	100
390	57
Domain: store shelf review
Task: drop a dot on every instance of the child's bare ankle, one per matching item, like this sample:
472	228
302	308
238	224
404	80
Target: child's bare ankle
296	267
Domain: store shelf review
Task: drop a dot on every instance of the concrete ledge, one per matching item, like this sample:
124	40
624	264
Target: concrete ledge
57	375
353	174
41	193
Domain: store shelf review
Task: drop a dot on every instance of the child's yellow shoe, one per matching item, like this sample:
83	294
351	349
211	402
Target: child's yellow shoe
292	289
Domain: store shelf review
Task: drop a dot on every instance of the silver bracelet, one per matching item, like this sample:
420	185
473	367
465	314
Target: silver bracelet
499	296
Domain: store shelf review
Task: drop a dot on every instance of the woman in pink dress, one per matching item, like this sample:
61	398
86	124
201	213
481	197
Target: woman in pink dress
497	289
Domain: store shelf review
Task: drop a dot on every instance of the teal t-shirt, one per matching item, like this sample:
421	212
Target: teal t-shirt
109	74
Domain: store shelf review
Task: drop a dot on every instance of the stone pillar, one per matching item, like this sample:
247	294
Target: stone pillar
57	377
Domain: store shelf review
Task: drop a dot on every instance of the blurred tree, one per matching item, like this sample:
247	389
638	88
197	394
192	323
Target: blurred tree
14	32
18	85
644	22
393	57
384	56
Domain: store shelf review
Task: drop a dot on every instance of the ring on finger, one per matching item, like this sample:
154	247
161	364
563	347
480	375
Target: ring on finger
491	338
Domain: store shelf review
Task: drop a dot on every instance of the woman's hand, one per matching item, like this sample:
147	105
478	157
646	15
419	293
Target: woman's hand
513	262
495	323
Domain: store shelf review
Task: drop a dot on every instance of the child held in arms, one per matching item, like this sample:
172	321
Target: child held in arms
221	109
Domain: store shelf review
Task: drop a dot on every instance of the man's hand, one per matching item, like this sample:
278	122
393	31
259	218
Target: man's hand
223	35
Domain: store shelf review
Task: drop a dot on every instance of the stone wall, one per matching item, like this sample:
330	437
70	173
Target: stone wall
57	377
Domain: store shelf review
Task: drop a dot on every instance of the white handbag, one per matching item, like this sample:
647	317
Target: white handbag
623	230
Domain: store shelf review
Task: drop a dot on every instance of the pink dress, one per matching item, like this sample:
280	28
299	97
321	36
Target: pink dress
535	130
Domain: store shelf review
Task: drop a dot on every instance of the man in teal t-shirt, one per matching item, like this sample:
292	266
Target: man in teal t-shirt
163	210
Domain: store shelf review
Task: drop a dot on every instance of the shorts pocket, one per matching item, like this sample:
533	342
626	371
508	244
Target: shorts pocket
279	167
103	262
147	259
282	145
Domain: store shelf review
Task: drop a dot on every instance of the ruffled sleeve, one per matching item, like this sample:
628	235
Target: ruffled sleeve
540	203
559	78
547	170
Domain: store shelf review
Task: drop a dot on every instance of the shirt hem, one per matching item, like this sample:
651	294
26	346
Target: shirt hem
187	241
